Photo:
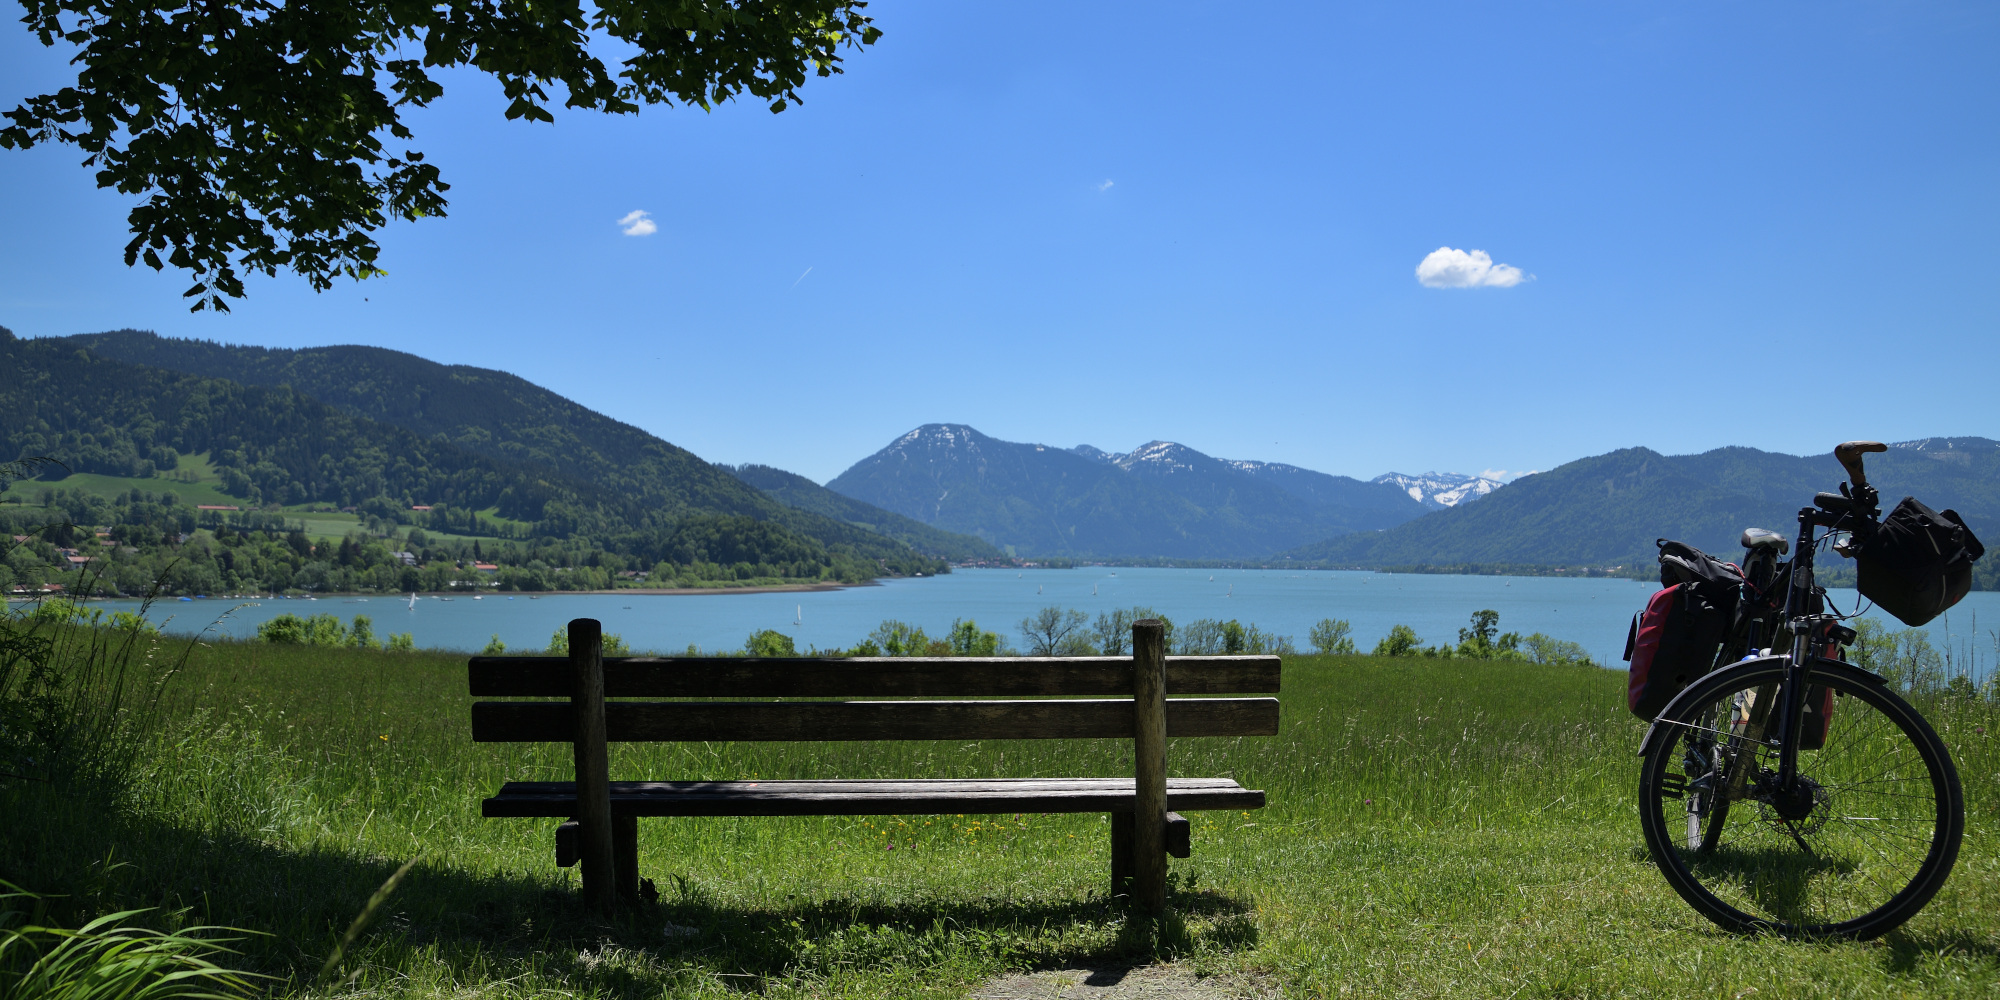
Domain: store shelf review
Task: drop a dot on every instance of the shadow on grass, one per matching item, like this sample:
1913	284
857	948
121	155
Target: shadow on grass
1776	880
1907	950
466	926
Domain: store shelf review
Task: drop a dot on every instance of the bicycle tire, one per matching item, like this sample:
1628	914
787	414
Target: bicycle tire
1887	812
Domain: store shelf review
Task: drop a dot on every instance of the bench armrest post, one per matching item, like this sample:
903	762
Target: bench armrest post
1149	765
593	766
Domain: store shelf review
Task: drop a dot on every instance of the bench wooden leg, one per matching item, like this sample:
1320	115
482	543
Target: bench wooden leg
1122	868
625	856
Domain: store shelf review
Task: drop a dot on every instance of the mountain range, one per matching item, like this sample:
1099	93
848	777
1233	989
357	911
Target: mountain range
361	425
1164	500
1607	510
1160	500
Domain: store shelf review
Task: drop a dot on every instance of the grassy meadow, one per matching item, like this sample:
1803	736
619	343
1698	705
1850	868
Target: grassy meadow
1437	828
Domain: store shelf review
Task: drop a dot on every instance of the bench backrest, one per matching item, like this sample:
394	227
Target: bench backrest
1063	698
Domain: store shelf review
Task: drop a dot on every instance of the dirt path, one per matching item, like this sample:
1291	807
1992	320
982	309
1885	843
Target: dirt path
1123	982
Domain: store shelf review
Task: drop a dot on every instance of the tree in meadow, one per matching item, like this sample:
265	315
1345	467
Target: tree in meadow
1056	631
1332	637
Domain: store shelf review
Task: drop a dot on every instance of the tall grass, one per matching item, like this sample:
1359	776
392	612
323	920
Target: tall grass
1436	828
108	958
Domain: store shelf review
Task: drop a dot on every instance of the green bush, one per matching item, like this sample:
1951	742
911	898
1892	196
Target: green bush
1332	637
966	639
1401	641
769	642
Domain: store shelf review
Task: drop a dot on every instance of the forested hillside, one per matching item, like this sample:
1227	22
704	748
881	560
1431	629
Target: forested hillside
502	417
1608	509
278	449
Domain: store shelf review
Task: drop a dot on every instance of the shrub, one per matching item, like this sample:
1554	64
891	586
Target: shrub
894	638
1543	649
612	643
1401	641
769	642
967	640
316	630
1332	636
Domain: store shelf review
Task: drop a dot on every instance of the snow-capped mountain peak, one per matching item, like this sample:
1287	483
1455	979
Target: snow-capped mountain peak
1441	489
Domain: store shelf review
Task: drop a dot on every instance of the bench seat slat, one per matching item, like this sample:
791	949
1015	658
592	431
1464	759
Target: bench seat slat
845	797
868	677
628	721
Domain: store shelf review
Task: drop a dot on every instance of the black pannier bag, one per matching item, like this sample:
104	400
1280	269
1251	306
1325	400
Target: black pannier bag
1917	562
1674	640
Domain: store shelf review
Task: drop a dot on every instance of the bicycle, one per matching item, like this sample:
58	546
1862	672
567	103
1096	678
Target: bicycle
1790	791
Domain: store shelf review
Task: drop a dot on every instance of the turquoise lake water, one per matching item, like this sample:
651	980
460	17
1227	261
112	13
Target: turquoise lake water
1592	612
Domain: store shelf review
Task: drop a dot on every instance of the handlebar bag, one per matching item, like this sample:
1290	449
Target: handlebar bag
1918	562
1671	643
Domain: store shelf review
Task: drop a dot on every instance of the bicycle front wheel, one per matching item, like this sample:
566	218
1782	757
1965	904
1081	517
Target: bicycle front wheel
1857	846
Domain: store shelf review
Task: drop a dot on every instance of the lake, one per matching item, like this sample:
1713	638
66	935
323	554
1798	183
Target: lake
1592	612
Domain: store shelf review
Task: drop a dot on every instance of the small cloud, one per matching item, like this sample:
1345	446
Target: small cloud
1448	268
1502	475
639	223
1105	185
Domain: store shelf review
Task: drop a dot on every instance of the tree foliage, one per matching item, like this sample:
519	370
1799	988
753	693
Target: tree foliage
770	642
1332	636
261	136
1056	631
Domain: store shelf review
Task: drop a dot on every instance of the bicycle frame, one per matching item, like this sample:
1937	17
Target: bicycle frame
1809	642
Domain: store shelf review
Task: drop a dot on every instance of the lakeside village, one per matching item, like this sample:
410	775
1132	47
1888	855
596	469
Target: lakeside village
82	545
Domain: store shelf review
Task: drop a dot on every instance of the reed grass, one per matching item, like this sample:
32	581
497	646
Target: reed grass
109	958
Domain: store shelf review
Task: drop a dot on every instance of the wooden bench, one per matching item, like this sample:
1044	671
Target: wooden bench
993	698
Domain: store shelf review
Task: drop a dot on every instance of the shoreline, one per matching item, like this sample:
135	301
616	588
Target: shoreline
785	588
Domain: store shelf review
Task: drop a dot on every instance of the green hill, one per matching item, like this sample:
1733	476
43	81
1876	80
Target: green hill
500	416
1607	510
479	410
277	446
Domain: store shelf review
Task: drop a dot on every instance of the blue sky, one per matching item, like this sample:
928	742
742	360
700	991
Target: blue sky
1108	223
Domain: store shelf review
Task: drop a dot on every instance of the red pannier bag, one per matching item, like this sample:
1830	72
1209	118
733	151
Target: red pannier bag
1674	641
1671	643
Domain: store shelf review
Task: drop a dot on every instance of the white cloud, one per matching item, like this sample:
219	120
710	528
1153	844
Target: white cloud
1106	186
639	223
1448	268
1504	476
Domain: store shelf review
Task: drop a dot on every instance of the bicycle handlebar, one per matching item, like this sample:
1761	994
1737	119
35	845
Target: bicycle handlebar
1850	454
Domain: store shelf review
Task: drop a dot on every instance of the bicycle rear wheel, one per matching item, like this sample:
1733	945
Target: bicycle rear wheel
1868	836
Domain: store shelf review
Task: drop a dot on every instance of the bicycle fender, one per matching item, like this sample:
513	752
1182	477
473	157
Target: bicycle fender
1655	732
